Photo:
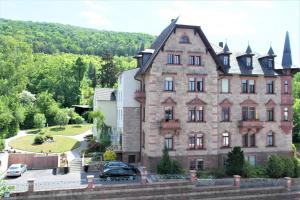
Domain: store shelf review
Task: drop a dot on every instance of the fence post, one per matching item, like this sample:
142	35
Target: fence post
30	183
237	181
193	177
90	179
288	183
144	175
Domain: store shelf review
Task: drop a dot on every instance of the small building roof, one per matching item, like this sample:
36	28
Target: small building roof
105	94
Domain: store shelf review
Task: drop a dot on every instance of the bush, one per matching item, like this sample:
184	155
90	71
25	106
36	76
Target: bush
38	139
168	166
296	167
235	162
275	167
109	155
48	137
249	170
78	120
2	146
289	167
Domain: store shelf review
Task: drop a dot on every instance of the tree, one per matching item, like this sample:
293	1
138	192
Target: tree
235	162
275	166
79	70
27	98
296	121
109	155
4	188
39	120
168	166
61	118
108	72
92	74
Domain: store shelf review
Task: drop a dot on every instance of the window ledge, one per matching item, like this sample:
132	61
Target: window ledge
229	147
248	93
225	93
271	121
269	146
189	91
226	121
169	91
270	93
249	147
190	65
173	64
203	149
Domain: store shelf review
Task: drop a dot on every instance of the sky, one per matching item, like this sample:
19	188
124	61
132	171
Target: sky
239	22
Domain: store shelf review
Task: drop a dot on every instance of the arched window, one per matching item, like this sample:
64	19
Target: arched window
184	39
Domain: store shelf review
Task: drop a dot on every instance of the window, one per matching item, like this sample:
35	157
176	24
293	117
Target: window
143	141
198	60
192	84
244	86
270	139
225	139
270	63
225	61
196	114
251	86
177	59
170	58
286	86
248	61
286	114
131	158
270	87
200	164
192	164
251	159
270	114
248	140
225	114
248	113
225	85
169	143
191	60
196	84
168	113
184	39
168	83
196	142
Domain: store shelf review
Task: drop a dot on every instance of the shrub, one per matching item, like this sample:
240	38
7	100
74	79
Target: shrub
78	120
275	166
39	120
168	166
297	167
235	162
249	170
48	137
109	155
61	118
38	139
2	146
289	167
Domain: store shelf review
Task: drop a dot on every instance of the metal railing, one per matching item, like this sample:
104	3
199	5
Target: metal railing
261	182
215	182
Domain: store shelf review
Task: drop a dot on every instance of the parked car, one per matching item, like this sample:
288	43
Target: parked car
117	172
118	164
16	170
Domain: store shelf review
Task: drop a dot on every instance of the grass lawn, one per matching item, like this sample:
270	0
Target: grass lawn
60	144
71	129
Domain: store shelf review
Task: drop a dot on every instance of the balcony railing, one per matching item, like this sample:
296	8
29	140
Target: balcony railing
172	124
140	95
251	123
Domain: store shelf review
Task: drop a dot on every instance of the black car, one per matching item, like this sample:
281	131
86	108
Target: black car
118	164
117	172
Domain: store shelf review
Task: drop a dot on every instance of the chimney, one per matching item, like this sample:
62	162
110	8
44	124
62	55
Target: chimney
221	44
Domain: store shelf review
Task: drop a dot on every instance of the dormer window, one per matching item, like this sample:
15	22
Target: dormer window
225	61
184	39
248	61
270	63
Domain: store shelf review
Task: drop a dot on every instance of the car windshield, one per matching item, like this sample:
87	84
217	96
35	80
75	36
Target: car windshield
14	167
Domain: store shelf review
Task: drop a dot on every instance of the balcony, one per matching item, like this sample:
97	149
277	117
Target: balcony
140	96
250	126
172	124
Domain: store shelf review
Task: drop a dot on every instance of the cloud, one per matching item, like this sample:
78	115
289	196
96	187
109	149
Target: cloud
211	16
94	12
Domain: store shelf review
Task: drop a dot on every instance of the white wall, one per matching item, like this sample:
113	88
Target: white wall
3	162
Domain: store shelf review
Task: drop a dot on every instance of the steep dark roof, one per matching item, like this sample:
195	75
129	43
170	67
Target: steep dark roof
271	52
248	50
162	38
226	49
287	55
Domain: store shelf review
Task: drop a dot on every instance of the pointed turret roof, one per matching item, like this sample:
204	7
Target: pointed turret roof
226	49
271	52
287	55
248	50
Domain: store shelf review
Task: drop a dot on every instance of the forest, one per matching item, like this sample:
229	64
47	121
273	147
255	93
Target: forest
46	68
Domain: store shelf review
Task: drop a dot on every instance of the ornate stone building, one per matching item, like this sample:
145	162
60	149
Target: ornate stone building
201	100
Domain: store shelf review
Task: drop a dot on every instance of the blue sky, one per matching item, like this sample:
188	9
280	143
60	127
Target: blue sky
259	22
